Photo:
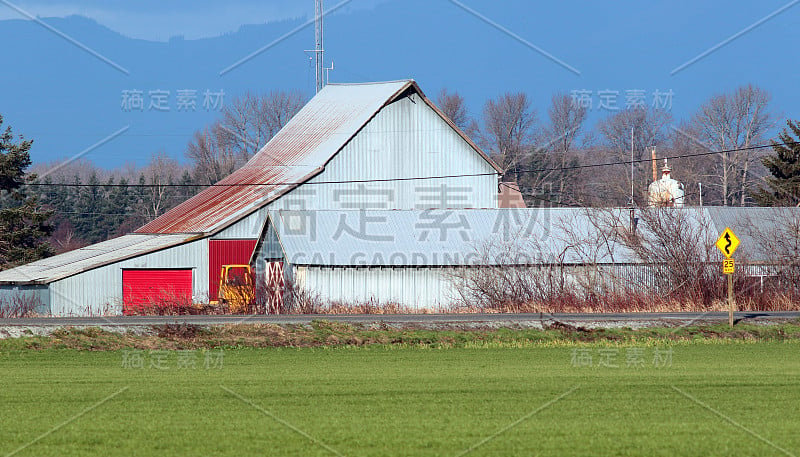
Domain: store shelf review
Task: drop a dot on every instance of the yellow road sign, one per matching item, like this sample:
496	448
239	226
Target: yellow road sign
727	242
728	266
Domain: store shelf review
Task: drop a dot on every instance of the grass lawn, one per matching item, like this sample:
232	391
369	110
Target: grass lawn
711	398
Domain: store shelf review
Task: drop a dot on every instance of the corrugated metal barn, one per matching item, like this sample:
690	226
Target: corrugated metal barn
351	146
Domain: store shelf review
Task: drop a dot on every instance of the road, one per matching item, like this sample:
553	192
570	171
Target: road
432	320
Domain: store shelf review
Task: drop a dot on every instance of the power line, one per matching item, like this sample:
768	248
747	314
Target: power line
419	178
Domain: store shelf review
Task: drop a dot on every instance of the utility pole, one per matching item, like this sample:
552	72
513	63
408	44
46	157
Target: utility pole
633	202
700	186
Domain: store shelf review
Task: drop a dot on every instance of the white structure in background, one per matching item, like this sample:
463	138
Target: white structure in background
665	191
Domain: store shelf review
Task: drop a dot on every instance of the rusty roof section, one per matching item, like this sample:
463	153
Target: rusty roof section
298	152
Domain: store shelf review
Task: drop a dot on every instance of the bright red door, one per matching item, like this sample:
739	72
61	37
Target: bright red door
151	288
226	252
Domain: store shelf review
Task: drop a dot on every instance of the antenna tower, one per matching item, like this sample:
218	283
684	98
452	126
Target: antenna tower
319	50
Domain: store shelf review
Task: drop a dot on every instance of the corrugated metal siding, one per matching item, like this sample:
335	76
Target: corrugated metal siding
406	139
442	237
39	294
437	288
269	249
99	291
416	288
226	252
248	227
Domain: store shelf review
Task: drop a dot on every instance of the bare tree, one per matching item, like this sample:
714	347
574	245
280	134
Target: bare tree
510	128
213	157
566	122
454	107
678	247
647	127
160	175
65	239
776	232
731	123
247	124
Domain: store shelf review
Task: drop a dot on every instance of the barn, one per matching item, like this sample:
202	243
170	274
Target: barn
352	146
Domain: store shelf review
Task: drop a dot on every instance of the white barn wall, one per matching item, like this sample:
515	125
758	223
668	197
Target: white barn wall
406	139
416	288
99	291
247	228
33	294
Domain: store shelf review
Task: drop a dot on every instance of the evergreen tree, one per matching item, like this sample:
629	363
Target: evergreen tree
117	207
24	226
88	220
783	187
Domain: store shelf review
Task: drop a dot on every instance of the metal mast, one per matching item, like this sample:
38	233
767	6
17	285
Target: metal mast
633	202
319	50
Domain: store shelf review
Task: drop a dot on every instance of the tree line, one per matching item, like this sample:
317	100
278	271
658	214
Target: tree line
89	204
551	158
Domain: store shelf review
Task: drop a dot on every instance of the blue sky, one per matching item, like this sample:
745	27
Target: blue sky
69	97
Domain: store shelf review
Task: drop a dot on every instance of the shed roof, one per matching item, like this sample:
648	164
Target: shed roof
73	262
298	152
760	230
506	236
441	237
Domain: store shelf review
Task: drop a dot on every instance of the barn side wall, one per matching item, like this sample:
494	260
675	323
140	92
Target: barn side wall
36	296
406	139
99	291
416	288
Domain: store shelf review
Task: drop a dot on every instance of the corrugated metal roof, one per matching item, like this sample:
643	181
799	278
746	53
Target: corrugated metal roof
73	262
299	151
443	237
504	236
754	227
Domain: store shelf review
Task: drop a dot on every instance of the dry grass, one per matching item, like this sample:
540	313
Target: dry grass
328	334
19	305
564	303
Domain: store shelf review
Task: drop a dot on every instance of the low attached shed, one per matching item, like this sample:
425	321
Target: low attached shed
417	258
104	278
412	258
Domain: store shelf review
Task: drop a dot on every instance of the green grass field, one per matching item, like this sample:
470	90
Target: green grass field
711	398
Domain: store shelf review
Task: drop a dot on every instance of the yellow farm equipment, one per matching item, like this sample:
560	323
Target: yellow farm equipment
236	288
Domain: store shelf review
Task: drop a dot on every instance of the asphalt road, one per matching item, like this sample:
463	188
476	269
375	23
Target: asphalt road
590	319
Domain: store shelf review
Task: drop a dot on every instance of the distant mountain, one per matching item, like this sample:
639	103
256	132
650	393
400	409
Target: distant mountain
68	99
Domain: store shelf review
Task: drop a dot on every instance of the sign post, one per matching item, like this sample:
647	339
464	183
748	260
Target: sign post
727	244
